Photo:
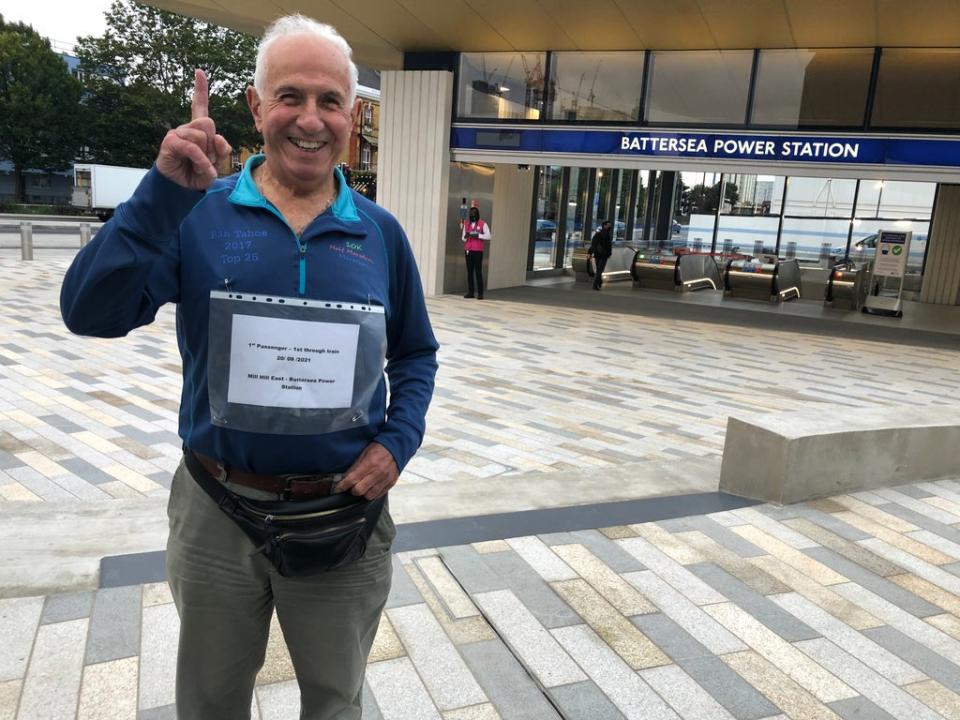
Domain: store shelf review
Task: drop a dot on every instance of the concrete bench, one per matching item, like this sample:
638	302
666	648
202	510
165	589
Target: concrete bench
790	457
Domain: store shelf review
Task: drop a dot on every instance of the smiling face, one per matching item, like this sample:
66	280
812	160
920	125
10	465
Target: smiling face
304	115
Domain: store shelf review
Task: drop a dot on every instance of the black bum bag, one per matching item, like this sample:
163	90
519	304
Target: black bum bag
300	538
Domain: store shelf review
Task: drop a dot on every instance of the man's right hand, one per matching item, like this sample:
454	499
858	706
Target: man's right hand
189	154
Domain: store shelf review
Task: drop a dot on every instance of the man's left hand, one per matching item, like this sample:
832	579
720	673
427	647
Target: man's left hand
373	473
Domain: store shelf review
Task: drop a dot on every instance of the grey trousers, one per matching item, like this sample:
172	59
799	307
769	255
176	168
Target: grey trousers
226	599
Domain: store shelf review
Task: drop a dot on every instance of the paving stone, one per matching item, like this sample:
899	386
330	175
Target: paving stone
470	569
402	590
447	589
542	559
829	521
737	566
723	536
560	538
535	595
722	683
671	571
433	655
369	708
398	690
528	639
158	655
584	701
167	712
611	554
848	639
9	698
783	623
612	627
8	461
865	681
507	683
92	474
781	654
859	708
850	550
114	625
279	701
625	689
918	506
932	573
903	621
936	696
19	618
683	694
614	589
109	691
52	685
60	423
67	606
687	615
918	655
772	682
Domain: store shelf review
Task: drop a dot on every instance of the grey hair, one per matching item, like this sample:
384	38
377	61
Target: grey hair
301	25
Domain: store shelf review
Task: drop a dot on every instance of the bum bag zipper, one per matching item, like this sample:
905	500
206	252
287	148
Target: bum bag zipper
267	517
325	531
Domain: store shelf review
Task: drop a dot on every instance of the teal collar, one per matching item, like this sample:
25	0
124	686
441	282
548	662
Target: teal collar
246	192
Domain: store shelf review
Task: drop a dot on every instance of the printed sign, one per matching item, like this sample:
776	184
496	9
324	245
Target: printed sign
292	363
836	149
892	250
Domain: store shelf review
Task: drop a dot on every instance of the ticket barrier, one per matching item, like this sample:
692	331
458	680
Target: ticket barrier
654	271
848	286
618	265
683	273
776	281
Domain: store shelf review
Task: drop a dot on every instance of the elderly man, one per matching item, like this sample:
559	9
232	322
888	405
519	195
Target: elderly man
292	293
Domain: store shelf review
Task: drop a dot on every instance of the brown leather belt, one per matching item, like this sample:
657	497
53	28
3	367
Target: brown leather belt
297	486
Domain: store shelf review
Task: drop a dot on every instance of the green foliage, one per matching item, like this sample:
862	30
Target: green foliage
138	79
38	103
706	198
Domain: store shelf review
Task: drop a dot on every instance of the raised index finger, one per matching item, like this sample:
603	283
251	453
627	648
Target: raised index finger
201	95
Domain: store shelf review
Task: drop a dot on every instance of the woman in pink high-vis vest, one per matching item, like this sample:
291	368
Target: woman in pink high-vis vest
475	231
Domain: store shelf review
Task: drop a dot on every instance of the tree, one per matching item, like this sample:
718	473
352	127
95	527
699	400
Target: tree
139	75
39	102
705	198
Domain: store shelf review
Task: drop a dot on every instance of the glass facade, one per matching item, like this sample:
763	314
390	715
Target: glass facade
599	86
704	87
501	86
811	219
575	209
547	216
812	88
918	88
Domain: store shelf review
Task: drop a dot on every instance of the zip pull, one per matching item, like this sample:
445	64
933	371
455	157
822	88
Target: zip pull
226	284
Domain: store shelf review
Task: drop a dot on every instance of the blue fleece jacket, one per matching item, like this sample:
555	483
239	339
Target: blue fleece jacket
171	244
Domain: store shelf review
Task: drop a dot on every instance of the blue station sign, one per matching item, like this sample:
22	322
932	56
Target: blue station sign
841	149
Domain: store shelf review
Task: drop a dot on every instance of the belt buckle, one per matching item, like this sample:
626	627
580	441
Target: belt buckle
288	481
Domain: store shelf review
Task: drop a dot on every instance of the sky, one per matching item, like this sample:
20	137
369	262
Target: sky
59	20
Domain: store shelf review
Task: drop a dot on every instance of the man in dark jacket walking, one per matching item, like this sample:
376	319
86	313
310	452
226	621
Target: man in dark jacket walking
601	248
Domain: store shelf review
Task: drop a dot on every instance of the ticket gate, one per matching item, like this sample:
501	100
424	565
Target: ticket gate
617	268
776	281
683	273
848	285
654	271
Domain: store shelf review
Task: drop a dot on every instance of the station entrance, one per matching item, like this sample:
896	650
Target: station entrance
817	220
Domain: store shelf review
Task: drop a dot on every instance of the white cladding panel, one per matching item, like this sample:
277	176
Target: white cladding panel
512	206
941	278
413	165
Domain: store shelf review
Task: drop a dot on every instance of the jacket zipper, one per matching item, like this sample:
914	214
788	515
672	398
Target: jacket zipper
301	246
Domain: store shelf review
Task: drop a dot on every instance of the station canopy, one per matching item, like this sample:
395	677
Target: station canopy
381	31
